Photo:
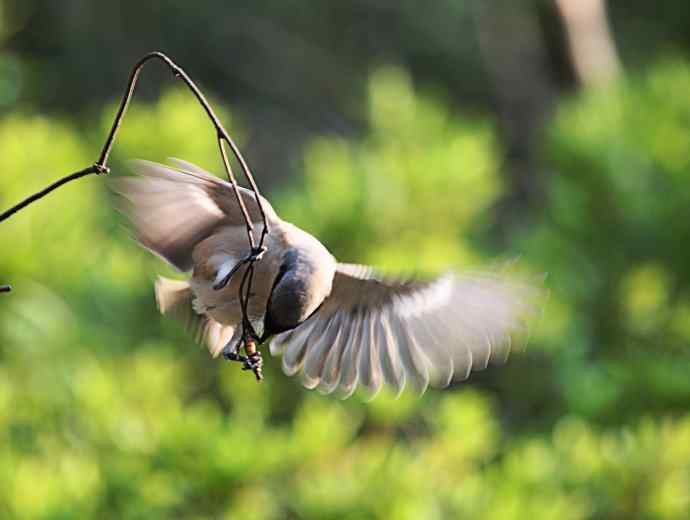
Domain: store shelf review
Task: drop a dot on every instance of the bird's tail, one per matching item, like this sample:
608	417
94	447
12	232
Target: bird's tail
174	298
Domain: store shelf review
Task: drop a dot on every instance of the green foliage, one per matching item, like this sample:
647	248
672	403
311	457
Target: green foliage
412	187
108	411
612	237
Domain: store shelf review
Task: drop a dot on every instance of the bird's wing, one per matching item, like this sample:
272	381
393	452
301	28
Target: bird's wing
173	209
373	330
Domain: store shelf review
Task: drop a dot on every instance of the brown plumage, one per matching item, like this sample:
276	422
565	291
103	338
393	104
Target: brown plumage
339	325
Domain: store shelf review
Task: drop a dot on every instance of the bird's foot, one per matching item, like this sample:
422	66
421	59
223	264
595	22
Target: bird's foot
231	352
253	361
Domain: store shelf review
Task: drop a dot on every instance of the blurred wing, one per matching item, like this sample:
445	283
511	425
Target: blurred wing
374	330
173	209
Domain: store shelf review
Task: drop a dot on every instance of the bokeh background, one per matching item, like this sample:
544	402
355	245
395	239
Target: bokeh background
410	135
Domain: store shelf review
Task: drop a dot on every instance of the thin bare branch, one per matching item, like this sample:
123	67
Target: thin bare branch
235	188
94	168
100	167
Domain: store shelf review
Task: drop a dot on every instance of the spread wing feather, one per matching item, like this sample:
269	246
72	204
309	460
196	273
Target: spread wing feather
374	330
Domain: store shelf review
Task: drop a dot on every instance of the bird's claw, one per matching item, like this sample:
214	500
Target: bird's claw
253	362
230	355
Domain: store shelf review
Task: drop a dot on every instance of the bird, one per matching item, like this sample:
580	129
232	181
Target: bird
340	326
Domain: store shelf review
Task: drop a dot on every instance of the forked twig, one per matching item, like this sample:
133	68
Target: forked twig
101	167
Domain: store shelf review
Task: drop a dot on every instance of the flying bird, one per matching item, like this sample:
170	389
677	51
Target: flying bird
338	325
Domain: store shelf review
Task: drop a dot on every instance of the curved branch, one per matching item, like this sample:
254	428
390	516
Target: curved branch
101	167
